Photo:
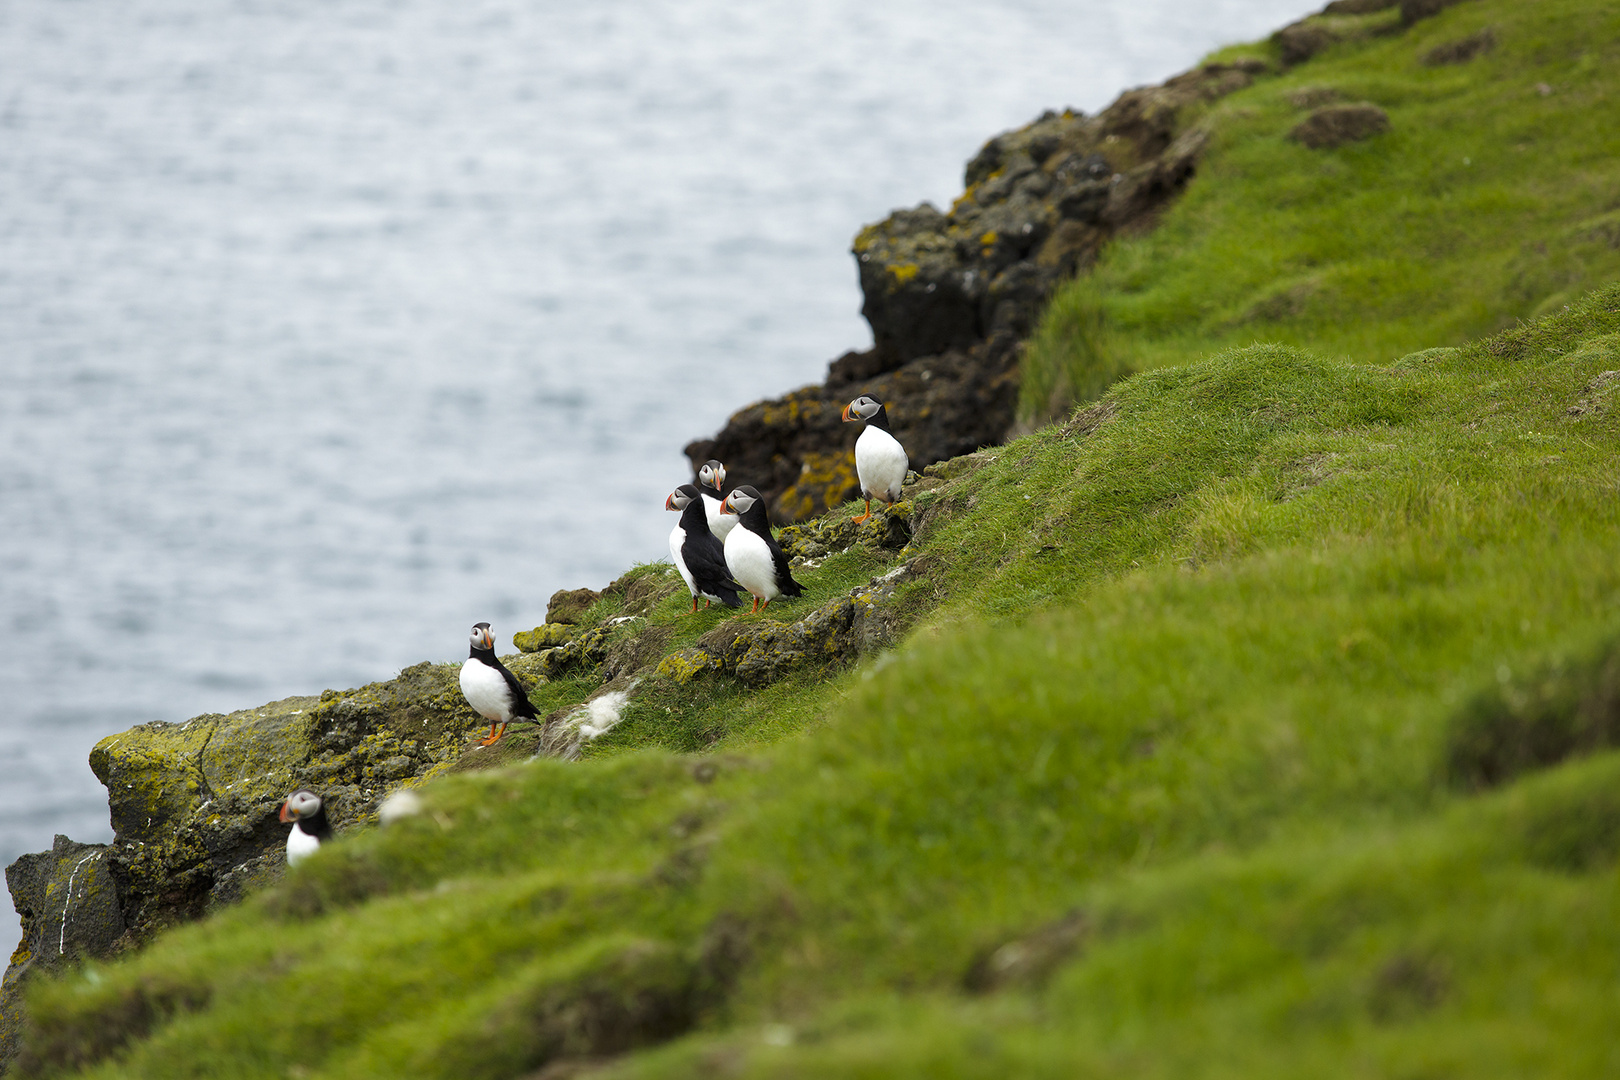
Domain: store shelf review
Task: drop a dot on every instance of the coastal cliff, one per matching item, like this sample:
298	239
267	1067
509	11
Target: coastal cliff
954	296
1271	695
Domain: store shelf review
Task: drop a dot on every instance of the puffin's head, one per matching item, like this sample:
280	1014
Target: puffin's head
739	502
300	805
482	636
862	408
681	497
712	474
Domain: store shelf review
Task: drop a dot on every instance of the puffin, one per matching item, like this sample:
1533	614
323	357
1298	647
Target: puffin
753	556
310	829
492	691
880	460
712	475
699	557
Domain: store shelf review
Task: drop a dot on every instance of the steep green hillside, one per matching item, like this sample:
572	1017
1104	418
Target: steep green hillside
1211	760
1493	196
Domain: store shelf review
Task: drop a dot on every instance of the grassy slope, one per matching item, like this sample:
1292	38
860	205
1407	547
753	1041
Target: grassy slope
1485	202
1270	581
1190	693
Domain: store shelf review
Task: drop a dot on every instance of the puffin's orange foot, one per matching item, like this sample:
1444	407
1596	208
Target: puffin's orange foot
493	737
862	519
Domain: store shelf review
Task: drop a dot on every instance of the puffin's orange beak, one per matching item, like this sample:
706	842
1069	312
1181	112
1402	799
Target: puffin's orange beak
726	508
669	503
283	814
846	412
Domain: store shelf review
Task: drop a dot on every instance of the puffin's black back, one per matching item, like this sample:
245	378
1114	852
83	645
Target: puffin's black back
705	555
316	824
755	520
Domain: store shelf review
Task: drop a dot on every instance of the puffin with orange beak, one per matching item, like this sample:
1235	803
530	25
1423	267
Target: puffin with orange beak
880	460
492	691
712	483
699	557
307	815
753	556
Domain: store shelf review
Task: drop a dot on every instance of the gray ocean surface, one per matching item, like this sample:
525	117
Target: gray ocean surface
328	330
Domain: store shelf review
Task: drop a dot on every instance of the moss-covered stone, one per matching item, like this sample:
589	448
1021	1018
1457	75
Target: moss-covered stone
820	639
583	653
548	636
758	653
568	605
684	665
193	805
153	775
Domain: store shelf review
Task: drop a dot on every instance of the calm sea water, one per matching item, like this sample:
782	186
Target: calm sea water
327	331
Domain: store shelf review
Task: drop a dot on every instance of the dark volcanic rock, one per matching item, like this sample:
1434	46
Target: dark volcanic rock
951	296
68	904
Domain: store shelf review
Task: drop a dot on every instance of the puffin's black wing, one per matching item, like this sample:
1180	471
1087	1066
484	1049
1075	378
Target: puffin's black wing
705	557
706	560
521	705
317	825
784	574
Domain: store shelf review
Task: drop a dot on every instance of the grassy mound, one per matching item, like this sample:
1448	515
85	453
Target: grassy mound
1493	195
1222	746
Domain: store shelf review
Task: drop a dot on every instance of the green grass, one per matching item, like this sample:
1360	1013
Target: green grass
1202	687
1486	202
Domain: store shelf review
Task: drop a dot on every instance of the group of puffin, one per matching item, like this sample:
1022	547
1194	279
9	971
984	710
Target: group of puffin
722	546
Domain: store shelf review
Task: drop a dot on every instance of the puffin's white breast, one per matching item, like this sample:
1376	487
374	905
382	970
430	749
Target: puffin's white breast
880	464
749	559
486	691
719	524
300	845
677	537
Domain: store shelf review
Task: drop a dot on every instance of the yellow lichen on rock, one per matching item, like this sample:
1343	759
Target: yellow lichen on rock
547	636
684	665
825	479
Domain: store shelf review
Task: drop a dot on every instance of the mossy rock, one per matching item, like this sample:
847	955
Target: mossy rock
684	665
569	605
152	775
548	636
584	653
